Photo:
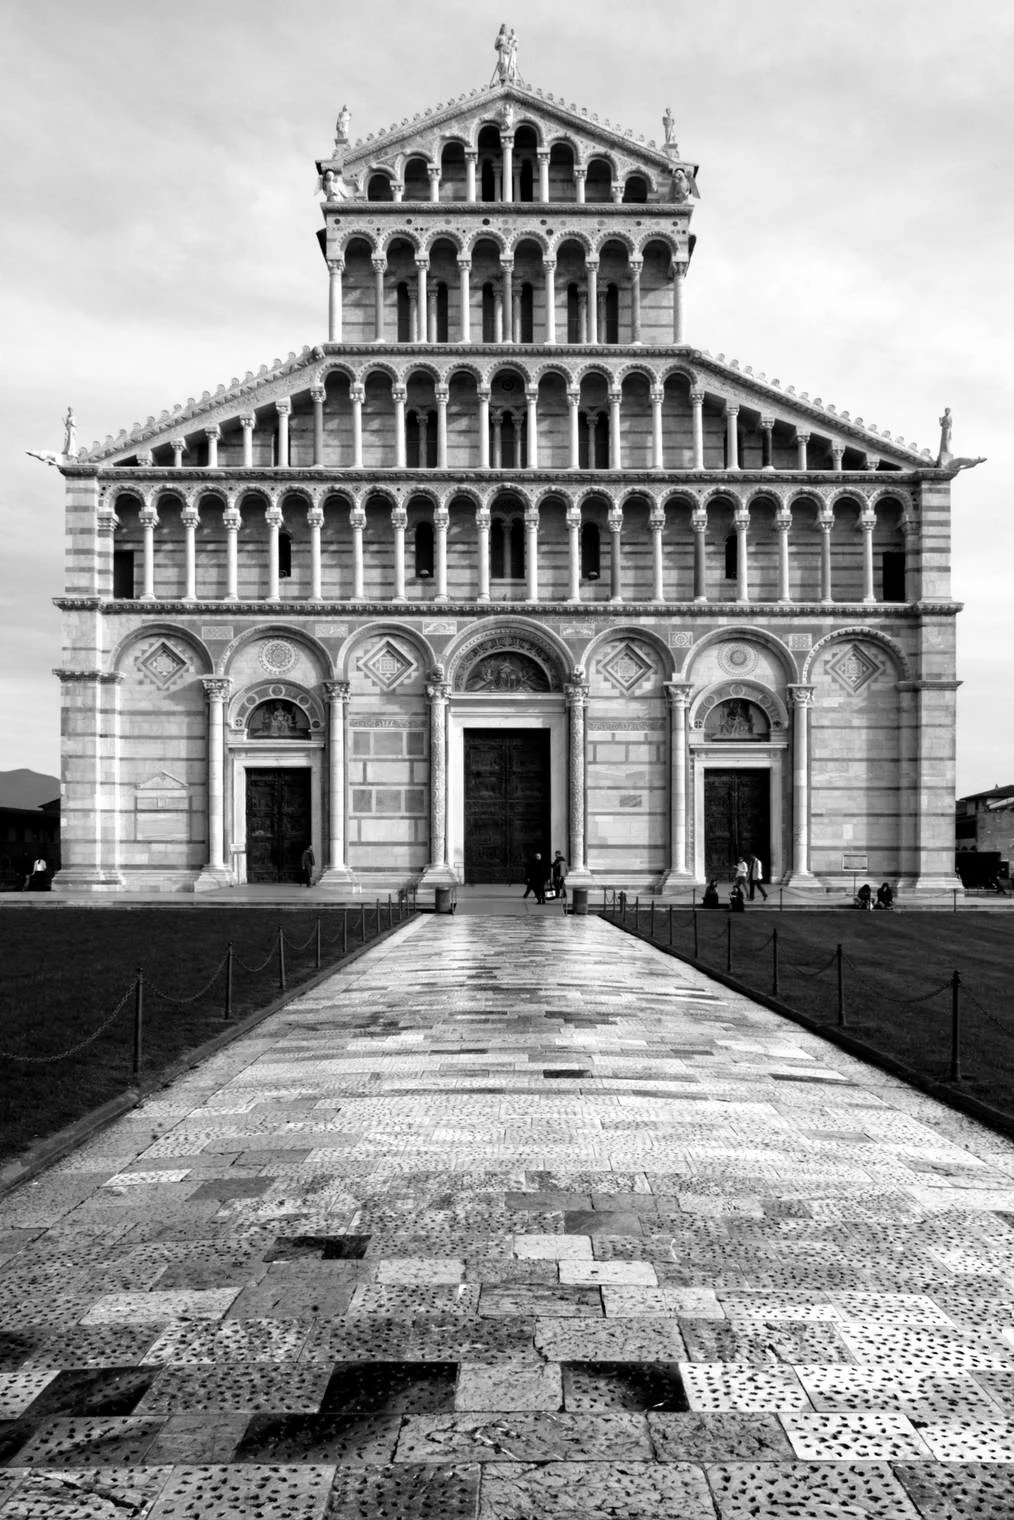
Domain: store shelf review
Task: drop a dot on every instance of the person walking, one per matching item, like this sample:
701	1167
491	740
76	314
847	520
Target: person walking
741	875
535	877
306	865
559	871
755	868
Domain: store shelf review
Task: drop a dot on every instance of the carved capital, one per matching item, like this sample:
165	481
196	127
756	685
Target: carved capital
783	520
422	261
679	694
273	515
615	519
579	173
315	516
213	433
483	518
399	393
574	395
190	516
549	265
231	519
443	393
399	518
574	517
483	393
576	695
438	693
148	514
825	518
441	517
283	407
178	445
336	266
532	519
731	409
379	262
699	519
615	395
531	393
636	265
507	263
741	518
657	394
318	395
357	518
767	424
867	519
433	170
697	398
592	265
216	688
802	437
656	519
248	422
337	691
800	696
357	391
465	264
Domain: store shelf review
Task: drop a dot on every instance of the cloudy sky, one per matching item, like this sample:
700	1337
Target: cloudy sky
854	231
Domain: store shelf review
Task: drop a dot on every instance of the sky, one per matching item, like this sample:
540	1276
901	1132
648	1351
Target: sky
157	232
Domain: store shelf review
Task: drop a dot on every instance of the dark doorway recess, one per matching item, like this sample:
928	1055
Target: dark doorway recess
277	823
506	801
737	819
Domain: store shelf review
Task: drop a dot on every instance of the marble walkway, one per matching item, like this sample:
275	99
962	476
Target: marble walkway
514	1218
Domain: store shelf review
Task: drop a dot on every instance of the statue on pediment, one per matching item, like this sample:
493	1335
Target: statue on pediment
669	127
680	186
335	187
945	433
341	126
506	48
69	434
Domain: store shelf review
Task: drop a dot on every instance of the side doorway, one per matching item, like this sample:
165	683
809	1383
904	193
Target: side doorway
737	818
278	823
507	801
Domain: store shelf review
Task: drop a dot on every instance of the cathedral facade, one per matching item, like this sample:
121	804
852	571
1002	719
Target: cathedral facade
505	564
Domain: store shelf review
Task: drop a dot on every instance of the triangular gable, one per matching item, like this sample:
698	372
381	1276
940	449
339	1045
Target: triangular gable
162	781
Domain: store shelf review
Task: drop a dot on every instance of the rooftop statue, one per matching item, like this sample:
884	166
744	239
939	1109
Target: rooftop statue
945	457
506	47
341	126
669	126
945	434
69	450
336	187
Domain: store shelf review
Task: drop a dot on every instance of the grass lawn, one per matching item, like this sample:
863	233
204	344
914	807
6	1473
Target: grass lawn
65	971
898	970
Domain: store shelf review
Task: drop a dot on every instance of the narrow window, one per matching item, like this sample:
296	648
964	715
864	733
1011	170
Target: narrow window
517	549
508	442
123	574
612	332
590	552
431	441
732	556
602	441
284	556
488	313
573	314
442	309
424	551
412	441
488	182
527	313
892	566
497	549
584	463
404	313
527	188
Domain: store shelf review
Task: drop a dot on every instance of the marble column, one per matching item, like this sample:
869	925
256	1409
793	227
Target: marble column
424	453
573	403
579	179
315	522
336	873
542	154
576	696
574	553
273	518
678	319
317	395
837	454
357	522
615	520
767	443
741	522
783	525
379	266
482	520
248	424
443	396
532	425
592	267
441	518
699	524
149	522
497	419
657	455
483	395
471	159
179	448
432	322
532	554
697	406
232	521
678	694
801	698
438	872
212	434
422	265
284	409
433	170
636	265
731	436
399	394
802	439
358	396
867	523
615	432
507	145
399	519
216	690
825	522
656	523
549	274
507	269
909	525
465	299
190	519
335	269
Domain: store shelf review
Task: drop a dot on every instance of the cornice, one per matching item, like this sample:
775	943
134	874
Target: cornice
872	613
565	480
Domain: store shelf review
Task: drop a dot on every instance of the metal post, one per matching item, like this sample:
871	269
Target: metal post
228	981
670	926
378	915
954	894
841	987
281	959
651	919
781	898
362	920
697	937
956	1027
318	957
345	931
138	1018
693	900
390	912
774	963
728	945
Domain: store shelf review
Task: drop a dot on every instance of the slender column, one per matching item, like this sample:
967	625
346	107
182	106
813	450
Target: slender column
825	522
379	265
592	266
179	448
439	695
837	454
697	404
532	554
273	518
576	695
549	274
399	517
106	524
679	694
636	266
315	521
591	423
574	552
399	393
471	158
909	526
657	455
317	395
507	144
358	394
532	424
615	520
441	518
516	316
482	516
149	522
802	439
465	299
483	427
699	524
283	408
357	522
335	270
422	302
582	317
248	424
741	522
601	326
542	154
867	523
497	416
656	522
433	170
678	323
337	693
615	436
783	524
731	437
579	179
424	452
507	266
767	443
801	698
573	401
498	311
213	434
443	395
190	521
216	689
413	316
231	521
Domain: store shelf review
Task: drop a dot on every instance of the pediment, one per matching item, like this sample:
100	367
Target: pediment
162	781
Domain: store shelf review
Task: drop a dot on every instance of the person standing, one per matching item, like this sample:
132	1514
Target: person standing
535	877
559	871
306	865
741	875
756	874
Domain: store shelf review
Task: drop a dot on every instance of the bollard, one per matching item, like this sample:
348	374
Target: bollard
442	900
228	981
781	898
281	959
378	915
670	926
318	954
774	963
362	920
693	900
728	945
579	901
955	1028
651	920
841	988
345	931
390	912
138	1018
954	892
697	938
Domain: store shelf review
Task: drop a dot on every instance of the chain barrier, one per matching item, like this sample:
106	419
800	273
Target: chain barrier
73	1049
925	997
987	1013
179	1002
298	949
804	972
256	970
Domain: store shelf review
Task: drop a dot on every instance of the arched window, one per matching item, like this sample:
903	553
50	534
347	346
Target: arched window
612	332
379	188
517	549
488	312
732	556
635	190
487	185
423	551
527	313
278	719
591	564
497	549
601	458
284	556
573	313
405	333
440	336
527	178
507	548
509	451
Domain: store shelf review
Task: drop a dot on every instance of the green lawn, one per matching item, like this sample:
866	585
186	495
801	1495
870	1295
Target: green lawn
898	970
65	971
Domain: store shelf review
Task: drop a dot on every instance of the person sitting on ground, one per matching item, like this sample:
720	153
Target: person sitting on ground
737	897
711	899
885	895
864	897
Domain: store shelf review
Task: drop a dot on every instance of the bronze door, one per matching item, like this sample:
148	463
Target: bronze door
506	801
737	819
277	823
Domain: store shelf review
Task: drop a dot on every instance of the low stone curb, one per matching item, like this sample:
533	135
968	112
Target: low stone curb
53	1148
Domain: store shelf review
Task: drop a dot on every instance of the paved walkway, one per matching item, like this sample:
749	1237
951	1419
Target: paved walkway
516	1217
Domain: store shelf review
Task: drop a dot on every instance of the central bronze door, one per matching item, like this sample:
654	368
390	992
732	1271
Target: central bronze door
737	819
506	801
277	823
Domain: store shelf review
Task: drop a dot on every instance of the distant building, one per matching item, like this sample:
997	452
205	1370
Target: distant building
25	834
984	822
504	563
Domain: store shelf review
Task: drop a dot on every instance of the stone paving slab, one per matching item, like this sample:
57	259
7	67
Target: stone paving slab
516	1217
